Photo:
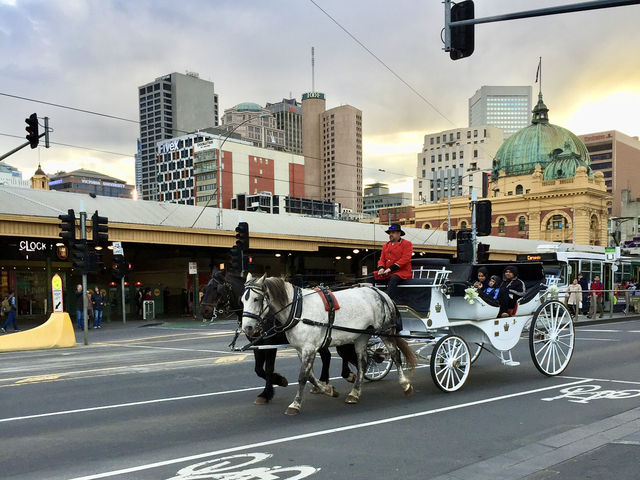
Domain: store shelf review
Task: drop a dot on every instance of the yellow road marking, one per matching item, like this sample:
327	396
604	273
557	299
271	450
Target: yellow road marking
231	359
41	378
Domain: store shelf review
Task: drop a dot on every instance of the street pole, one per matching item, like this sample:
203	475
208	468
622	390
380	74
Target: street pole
449	205
83	236
124	314
474	201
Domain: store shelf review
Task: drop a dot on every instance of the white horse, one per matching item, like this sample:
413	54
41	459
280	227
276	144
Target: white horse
301	314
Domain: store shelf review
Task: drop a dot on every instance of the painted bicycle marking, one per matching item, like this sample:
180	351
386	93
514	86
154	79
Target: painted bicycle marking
587	393
233	468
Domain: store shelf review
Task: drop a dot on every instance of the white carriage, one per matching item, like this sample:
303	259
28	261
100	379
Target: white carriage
436	305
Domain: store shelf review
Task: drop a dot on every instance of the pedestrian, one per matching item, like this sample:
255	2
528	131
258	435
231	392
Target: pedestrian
98	306
12	313
139	300
627	296
89	309
574	294
511	290
394	265
79	307
596	289
584	285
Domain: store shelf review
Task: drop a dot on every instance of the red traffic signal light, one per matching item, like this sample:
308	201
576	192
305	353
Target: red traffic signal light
32	130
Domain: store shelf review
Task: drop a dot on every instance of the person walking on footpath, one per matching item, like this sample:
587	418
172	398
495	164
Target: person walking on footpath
79	307
584	285
89	309
596	288
574	295
97	300
12	314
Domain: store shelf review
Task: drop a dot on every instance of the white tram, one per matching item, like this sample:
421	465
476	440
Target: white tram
438	305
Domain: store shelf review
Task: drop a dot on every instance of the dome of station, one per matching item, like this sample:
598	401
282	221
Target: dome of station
557	150
248	107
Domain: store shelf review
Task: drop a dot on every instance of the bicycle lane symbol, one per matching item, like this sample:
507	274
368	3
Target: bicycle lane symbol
233	468
587	393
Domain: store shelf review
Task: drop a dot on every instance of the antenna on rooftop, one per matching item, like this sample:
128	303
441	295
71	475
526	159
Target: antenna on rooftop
313	70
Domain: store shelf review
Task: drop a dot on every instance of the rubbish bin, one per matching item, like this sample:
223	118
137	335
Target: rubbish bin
148	310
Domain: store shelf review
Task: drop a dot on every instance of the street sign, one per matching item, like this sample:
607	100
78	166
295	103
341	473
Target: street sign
56	292
117	248
193	268
610	253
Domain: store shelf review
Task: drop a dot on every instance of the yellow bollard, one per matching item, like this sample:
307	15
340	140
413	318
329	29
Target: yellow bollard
57	332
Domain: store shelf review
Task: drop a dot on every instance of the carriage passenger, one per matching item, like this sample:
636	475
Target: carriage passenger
483	279
394	265
493	287
511	290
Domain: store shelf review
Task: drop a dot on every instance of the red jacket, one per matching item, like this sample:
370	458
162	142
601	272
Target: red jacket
397	257
596	286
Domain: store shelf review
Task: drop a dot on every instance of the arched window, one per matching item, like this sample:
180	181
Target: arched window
444	227
557	222
463	225
522	224
518	189
501	226
426	226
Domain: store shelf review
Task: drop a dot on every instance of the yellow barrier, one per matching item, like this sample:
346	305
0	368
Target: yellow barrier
57	332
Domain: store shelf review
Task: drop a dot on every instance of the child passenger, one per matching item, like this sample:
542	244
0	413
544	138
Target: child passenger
493	287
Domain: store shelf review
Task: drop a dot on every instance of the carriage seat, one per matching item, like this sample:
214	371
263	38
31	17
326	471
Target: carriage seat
531	292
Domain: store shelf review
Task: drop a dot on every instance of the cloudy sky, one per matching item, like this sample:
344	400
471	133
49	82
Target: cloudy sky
93	54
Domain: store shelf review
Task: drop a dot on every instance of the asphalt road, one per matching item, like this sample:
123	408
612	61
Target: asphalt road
174	403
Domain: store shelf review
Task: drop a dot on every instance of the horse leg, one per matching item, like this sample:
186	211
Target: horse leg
306	365
360	346
327	388
260	357
394	346
348	354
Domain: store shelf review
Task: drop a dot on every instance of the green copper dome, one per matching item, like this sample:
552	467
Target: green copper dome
558	151
248	107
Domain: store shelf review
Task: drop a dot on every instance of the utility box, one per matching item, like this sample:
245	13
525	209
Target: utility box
148	310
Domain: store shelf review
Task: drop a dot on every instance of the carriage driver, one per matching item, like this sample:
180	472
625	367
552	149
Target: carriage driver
395	261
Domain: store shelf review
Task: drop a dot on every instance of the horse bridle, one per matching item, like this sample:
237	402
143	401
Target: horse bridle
270	317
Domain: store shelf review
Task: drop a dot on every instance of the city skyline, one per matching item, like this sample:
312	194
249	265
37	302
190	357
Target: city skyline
107	50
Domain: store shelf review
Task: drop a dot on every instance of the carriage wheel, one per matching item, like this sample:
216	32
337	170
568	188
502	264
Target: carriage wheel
450	363
551	338
378	360
476	354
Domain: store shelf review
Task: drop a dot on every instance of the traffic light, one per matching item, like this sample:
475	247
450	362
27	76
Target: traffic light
464	246
462	38
236	259
483	253
119	267
483	218
32	130
100	229
80	255
242	236
451	235
68	227
94	262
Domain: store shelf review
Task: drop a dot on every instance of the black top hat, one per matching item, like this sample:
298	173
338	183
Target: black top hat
395	227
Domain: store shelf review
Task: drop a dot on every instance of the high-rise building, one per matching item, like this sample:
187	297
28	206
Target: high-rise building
171	105
377	196
288	117
617	156
11	176
452	161
508	108
254	124
332	147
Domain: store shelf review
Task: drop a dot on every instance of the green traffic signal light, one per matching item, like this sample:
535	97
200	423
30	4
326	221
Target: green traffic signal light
32	130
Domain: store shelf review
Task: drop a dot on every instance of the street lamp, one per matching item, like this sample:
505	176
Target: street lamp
220	204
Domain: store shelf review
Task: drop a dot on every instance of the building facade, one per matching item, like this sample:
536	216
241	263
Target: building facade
332	147
617	156
377	196
169	106
288	118
11	176
505	107
254	124
453	161
93	183
269	203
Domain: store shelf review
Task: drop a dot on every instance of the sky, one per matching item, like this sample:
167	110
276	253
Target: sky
93	54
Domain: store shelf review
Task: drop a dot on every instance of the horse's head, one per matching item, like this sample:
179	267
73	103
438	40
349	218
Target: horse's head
212	295
255	305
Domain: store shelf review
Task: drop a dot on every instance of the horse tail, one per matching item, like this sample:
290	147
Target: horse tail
410	358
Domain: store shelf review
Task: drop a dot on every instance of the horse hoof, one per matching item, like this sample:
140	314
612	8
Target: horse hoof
334	393
315	389
292	411
351	377
409	390
283	382
260	401
351	399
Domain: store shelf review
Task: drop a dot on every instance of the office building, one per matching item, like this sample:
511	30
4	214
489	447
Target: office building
11	176
332	147
508	108
617	156
93	183
288	118
453	161
171	105
377	196
254	124
267	202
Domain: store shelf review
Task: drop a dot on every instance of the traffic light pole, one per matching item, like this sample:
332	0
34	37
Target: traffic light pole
124	314
19	148
83	236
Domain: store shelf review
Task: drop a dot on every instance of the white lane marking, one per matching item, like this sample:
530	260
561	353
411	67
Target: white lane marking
599	331
630	382
321	432
597	339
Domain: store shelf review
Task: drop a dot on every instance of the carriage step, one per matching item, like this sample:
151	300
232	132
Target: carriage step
508	360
